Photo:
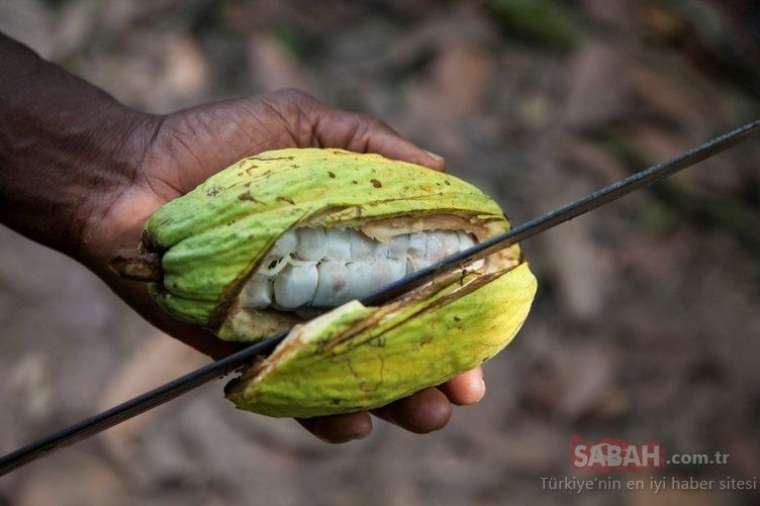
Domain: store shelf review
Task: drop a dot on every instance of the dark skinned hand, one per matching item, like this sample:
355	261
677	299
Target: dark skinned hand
81	173
172	154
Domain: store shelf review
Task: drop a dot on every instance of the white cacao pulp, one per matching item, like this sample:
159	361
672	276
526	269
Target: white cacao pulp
319	267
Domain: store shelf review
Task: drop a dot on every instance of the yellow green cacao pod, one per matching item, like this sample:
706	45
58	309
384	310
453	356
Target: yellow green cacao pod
277	238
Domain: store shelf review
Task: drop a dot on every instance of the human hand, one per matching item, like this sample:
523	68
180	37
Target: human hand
172	154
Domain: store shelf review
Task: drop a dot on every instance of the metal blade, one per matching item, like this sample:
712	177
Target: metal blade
183	384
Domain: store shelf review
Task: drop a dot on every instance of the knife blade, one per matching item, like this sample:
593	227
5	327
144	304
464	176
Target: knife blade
190	381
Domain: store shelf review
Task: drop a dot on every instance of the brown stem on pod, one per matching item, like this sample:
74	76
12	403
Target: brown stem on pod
142	267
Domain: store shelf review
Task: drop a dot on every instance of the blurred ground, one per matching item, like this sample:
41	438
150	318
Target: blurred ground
646	326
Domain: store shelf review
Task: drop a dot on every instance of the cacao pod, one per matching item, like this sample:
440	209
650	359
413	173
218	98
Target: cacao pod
278	238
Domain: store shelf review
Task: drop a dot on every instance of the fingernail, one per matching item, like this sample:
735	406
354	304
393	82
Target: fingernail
483	392
434	156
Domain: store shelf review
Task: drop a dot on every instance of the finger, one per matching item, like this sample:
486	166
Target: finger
466	389
426	411
365	134
338	429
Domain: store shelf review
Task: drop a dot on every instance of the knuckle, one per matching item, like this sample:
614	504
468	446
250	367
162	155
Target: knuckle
380	124
372	122
296	95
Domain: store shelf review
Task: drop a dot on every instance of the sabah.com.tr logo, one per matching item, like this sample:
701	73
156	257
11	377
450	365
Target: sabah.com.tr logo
615	455
608	454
